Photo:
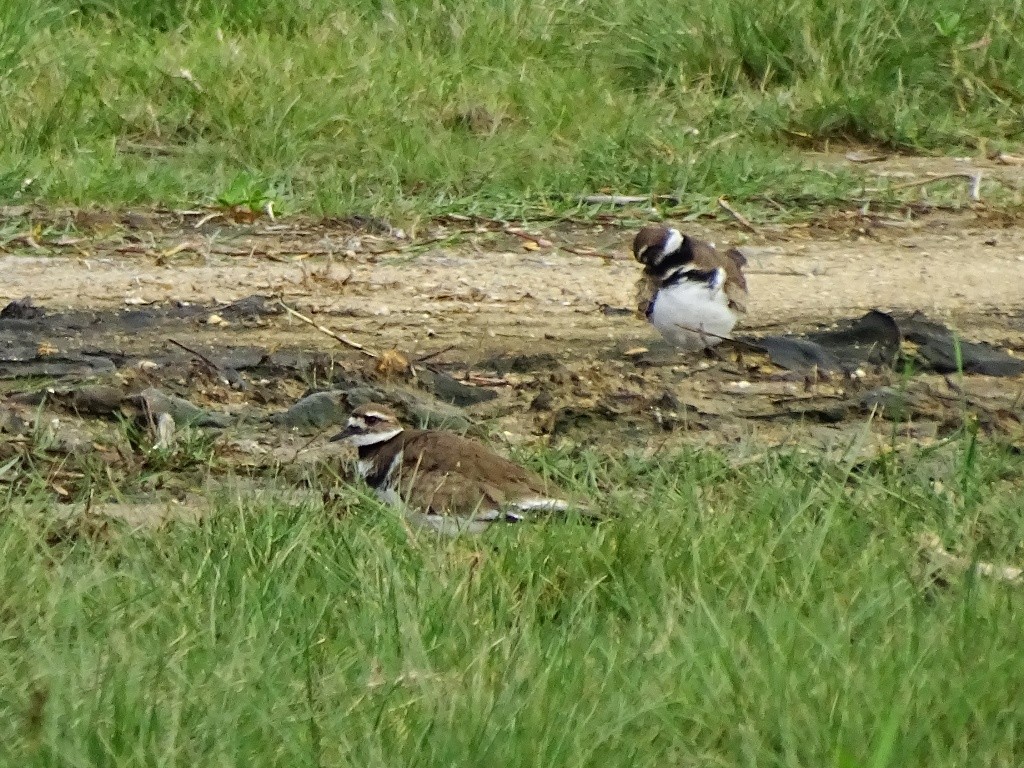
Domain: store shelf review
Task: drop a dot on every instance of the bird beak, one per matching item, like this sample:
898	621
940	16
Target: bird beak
345	434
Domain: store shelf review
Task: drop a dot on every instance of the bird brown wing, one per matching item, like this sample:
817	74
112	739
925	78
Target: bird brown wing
646	288
445	473
737	256
446	493
706	257
734	262
736	291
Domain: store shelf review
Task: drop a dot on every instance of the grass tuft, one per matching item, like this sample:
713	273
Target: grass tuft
400	107
773	615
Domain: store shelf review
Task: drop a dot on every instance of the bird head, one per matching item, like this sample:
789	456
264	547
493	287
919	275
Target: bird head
370	424
654	246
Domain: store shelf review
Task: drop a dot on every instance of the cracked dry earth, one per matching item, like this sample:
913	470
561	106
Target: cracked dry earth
534	328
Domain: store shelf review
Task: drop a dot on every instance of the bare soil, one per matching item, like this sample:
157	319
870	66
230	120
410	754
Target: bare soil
962	268
542	319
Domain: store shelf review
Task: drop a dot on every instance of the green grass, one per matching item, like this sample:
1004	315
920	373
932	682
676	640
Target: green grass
768	615
498	107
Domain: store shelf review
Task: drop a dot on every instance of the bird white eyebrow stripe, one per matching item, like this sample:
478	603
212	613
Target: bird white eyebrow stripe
376	415
673	243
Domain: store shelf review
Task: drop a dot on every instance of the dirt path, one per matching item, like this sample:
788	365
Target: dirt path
489	292
535	341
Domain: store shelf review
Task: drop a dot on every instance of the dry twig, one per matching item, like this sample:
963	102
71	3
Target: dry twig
436	353
336	336
703	333
739	217
973	191
320	433
226	376
214	366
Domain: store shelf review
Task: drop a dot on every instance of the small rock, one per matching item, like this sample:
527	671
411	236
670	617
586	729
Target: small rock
317	411
21	309
12	423
251	307
451	390
154	402
542	402
96	399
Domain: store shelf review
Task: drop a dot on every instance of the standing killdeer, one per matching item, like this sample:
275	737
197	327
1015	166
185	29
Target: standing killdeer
689	291
441	480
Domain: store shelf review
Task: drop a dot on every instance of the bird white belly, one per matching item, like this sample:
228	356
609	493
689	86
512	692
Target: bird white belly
692	315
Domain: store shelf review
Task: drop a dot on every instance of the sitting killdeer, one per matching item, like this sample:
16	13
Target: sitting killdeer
442	480
689	291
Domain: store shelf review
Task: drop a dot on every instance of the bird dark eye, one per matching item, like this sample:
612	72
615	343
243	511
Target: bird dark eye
371	419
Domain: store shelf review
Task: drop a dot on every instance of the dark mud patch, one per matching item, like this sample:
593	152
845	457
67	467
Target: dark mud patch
119	404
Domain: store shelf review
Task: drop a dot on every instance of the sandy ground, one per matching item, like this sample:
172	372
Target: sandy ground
490	292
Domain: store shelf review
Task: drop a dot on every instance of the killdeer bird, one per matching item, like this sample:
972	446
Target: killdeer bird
442	480
689	291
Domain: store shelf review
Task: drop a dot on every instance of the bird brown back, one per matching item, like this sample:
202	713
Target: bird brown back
707	257
446	473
